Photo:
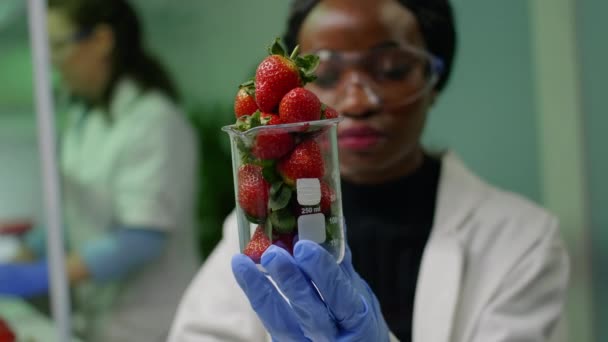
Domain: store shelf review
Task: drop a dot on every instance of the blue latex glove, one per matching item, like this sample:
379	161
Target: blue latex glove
24	279
347	311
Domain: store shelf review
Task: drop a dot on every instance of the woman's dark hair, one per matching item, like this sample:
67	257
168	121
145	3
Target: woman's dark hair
435	18
129	57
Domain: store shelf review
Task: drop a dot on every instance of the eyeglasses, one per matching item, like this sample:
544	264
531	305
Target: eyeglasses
390	75
60	47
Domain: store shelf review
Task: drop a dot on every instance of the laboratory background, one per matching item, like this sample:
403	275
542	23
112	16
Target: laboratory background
524	109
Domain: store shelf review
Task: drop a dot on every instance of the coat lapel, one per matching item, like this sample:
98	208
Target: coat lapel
437	291
443	261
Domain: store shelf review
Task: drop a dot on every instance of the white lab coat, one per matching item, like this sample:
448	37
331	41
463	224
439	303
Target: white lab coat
137	169
494	269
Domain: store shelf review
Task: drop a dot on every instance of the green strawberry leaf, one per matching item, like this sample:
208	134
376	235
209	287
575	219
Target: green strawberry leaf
246	157
275	188
277	48
255	119
281	196
269	171
282	221
243	123
308	78
247	83
307	63
267	163
268	229
247	122
249	87
331	231
323	107
265	119
254	219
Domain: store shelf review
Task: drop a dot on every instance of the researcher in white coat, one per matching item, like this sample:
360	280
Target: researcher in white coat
128	168
436	254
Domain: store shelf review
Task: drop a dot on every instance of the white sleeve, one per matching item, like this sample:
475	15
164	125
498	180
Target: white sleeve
214	308
155	173
529	304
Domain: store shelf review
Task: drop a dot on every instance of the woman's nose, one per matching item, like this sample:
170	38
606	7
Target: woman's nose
358	96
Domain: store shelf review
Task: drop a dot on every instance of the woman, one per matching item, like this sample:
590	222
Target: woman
127	157
437	254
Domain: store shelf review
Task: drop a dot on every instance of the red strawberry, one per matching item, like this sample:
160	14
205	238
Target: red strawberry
272	143
329	113
257	245
244	103
271	119
278	73
6	334
274	77
253	191
284	240
300	105
305	161
327	197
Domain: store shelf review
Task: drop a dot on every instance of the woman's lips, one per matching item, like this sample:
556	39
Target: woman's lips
359	138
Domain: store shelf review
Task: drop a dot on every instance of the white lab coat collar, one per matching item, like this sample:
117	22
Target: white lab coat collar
127	92
442	263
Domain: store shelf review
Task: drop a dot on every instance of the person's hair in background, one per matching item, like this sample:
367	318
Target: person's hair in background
129	56
435	19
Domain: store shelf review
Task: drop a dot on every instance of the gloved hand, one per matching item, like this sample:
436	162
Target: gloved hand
24	279
343	309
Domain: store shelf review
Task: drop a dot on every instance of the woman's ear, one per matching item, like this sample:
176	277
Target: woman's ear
103	40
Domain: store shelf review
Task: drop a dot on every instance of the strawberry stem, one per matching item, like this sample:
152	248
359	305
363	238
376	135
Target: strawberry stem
295	52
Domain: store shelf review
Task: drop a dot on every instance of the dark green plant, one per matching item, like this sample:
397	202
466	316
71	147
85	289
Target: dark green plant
216	191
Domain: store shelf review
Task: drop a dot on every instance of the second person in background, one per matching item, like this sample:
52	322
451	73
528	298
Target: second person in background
128	168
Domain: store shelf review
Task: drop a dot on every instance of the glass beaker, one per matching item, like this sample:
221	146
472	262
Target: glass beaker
287	186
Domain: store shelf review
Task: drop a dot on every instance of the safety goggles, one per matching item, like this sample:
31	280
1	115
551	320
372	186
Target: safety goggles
60	47
388	75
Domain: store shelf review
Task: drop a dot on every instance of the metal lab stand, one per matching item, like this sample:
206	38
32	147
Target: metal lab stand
50	179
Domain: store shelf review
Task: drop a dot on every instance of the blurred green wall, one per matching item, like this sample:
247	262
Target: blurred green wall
594	54
487	111
15	60
219	44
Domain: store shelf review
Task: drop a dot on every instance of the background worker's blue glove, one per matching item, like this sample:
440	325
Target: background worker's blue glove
347	311
24	279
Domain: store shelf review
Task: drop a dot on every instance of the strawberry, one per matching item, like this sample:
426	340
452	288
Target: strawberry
300	105
305	161
327	197
284	240
6	334
257	245
274	77
328	112
273	143
244	102
271	119
279	73
253	191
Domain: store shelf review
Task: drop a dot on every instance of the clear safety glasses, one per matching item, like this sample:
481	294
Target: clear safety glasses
60	47
388	75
